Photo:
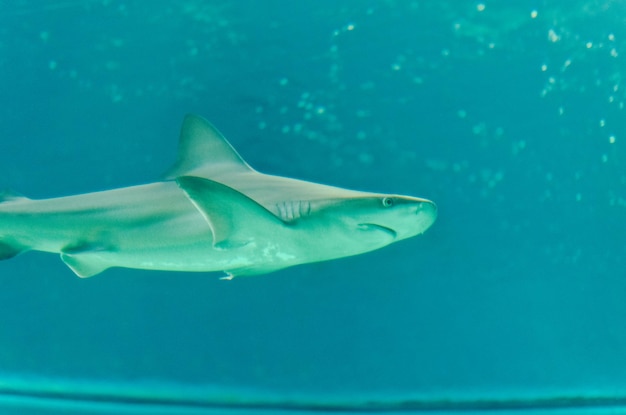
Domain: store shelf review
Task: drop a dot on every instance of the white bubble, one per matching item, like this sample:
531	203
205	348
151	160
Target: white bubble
533	14
480	7
552	36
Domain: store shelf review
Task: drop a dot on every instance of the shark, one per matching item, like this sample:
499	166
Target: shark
210	212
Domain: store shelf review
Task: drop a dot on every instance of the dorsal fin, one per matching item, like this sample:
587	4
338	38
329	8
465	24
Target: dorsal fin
204	152
11	196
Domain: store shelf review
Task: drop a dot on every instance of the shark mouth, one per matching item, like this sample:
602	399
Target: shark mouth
373	226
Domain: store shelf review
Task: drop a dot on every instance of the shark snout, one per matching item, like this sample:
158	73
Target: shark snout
426	212
427	207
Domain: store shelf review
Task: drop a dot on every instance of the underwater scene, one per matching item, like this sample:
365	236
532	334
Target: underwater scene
508	115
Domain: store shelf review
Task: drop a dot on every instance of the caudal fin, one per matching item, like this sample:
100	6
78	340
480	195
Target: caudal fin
9	247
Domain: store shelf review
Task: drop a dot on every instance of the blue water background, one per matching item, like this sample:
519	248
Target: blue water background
513	124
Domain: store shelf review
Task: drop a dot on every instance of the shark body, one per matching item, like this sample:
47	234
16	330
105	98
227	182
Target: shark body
213	212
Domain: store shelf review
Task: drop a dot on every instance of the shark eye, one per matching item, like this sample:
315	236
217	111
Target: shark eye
387	201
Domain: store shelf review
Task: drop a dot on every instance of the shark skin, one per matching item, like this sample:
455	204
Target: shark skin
213	212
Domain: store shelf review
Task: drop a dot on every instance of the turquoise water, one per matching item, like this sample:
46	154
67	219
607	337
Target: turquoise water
509	115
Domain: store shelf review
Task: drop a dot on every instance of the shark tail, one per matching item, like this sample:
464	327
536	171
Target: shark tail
9	247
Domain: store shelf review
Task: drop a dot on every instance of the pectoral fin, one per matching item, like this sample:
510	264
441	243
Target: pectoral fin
234	218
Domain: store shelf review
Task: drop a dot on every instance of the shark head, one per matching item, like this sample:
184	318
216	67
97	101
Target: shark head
371	222
399	216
